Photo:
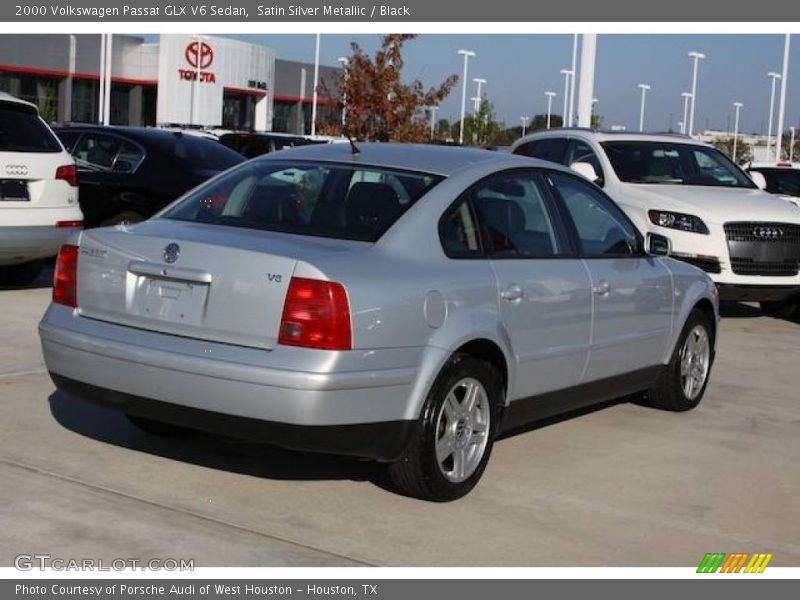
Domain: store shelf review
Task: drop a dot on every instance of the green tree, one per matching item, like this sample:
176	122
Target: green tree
744	152
481	128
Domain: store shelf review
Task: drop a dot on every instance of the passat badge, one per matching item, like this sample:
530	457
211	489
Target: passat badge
171	253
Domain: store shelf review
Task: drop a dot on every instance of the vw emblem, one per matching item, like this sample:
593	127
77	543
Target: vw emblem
171	253
16	170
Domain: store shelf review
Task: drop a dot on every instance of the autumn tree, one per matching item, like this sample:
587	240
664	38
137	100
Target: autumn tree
378	105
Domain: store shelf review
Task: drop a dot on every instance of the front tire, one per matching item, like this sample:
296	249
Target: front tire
683	383
783	309
455	433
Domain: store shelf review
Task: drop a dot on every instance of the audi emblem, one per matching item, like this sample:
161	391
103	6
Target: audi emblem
171	253
16	170
768	233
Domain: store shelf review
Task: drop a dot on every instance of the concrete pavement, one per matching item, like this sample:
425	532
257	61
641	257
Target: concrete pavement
621	486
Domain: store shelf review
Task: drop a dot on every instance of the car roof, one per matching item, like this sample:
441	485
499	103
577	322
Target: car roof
425	158
612	136
6	98
136	133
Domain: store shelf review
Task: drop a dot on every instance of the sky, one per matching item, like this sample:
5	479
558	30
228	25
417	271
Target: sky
520	68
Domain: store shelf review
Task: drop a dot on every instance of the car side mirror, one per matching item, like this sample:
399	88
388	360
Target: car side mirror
759	179
586	170
657	245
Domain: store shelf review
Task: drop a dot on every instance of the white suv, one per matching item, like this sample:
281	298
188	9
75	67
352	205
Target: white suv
38	192
748	241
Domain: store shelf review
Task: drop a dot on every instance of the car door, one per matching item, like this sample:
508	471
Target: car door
631	292
544	290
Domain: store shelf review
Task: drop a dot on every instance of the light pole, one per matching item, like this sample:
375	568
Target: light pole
315	94
344	62
644	87
686	96
791	144
567	73
697	57
433	110
524	124
572	81
782	103
774	76
478	96
550	96
466	54
107	78
737	106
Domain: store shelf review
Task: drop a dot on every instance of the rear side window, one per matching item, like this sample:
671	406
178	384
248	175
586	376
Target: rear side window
552	149
23	132
326	200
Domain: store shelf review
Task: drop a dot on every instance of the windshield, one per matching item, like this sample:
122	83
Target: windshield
674	164
196	153
327	200
23	132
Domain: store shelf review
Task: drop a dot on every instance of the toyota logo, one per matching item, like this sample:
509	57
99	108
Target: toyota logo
171	253
768	233
16	170
199	55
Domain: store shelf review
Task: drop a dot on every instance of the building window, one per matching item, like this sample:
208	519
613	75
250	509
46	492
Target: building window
84	101
238	111
41	91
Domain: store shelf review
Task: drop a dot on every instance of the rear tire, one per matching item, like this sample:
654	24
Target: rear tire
783	309
454	435
159	428
683	383
21	274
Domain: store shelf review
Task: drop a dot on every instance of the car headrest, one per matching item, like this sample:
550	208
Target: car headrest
371	206
507	188
504	216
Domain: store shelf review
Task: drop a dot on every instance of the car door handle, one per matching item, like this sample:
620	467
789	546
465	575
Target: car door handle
602	288
512	293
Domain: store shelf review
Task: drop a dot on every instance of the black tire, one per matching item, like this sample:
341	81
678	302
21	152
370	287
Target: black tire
418	472
784	309
159	428
127	216
21	274
668	392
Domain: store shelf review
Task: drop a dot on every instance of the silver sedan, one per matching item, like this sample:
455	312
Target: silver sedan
396	302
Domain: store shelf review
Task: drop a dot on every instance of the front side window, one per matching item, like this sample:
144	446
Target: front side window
602	229
673	163
580	151
326	200
514	215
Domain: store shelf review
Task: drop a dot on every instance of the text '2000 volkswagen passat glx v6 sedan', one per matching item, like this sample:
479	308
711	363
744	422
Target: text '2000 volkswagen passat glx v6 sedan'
400	303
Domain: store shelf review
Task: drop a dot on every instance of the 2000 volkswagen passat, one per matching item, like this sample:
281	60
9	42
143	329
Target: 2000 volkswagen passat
401	303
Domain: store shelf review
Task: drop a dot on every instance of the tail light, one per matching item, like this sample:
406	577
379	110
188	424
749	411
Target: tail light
69	174
316	314
69	224
65	279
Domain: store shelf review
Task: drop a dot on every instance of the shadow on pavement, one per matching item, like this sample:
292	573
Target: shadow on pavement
215	452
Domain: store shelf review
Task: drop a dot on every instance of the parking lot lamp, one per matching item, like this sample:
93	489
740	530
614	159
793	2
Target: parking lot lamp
696	57
644	87
466	54
524	124
774	76
567	73
737	106
550	96
478	96
686	96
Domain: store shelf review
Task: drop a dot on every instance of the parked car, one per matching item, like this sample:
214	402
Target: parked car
38	192
748	241
401	303
129	173
781	178
251	145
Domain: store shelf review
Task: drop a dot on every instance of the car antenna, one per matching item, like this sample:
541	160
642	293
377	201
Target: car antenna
353	148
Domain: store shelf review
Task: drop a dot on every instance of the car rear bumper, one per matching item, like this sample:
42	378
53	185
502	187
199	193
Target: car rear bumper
383	441
313	400
21	244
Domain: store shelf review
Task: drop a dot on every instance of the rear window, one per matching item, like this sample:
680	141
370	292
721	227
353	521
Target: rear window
199	154
24	132
326	200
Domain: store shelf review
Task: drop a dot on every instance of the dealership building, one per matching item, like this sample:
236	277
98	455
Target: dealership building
182	80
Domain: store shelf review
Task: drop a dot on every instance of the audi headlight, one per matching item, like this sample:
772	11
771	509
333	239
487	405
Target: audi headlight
673	220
